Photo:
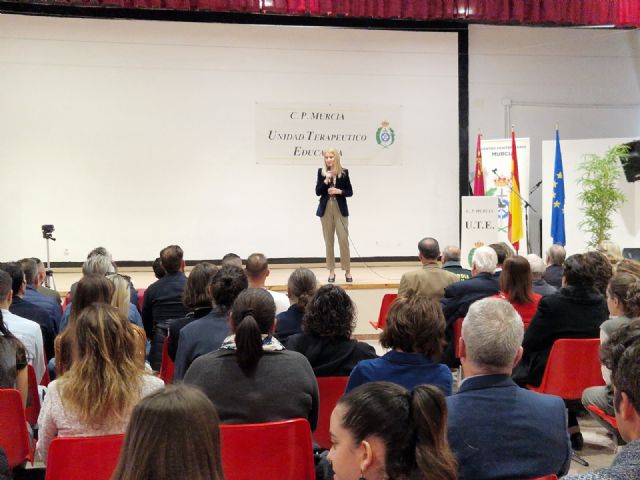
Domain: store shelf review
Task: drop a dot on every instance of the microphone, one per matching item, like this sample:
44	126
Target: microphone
495	171
538	184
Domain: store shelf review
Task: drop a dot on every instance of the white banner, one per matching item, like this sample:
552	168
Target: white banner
479	226
299	133
496	166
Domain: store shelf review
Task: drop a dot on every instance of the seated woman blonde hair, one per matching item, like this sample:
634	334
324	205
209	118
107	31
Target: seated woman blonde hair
97	394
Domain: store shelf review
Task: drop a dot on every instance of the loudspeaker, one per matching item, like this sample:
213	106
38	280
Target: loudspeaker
631	253
631	165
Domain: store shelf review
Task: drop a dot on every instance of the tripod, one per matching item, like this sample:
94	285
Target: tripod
49	282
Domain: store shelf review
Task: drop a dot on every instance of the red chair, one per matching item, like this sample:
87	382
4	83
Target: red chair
79	458
33	400
14	438
167	366
281	450
331	389
547	477
387	300
140	297
573	365
608	419
457	333
67	301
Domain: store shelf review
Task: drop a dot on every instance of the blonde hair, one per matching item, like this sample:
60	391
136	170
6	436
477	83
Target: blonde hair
103	384
336	157
121	295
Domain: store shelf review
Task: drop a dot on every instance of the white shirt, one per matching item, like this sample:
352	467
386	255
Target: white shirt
281	300
29	333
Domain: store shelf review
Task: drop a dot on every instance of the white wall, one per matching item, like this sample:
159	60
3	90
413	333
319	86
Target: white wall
585	80
135	135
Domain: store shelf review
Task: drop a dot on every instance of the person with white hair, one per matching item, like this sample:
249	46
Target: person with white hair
528	430
540	286
555	260
459	296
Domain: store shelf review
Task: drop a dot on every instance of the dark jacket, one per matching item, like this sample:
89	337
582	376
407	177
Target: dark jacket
455	267
543	288
328	356
573	312
30	311
343	183
498	430
178	324
289	323
553	275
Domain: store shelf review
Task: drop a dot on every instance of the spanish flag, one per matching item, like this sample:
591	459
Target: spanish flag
478	183
515	206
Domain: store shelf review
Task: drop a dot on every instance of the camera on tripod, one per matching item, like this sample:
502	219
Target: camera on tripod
47	231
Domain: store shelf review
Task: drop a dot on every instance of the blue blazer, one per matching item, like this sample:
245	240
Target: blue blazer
498	430
343	183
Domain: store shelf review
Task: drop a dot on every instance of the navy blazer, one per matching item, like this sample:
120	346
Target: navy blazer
498	430
343	183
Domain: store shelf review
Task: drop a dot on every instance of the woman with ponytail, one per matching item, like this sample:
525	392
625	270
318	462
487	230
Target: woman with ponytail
381	431
252	378
301	286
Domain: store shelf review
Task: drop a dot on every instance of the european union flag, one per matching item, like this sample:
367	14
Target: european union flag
557	207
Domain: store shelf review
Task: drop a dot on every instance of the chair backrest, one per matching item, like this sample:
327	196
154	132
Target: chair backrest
281	450
573	365
387	300
140	297
598	412
331	389
79	458
66	301
457	333
33	401
14	438
166	366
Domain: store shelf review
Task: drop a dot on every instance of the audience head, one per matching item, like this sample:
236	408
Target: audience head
18	282
100	251
628	265
97	264
90	289
225	286
415	324
42	273
6	294
621	354
301	286
171	259
451	253
492	334
173	433
158	271
257	268
197	292
485	260
30	268
103	383
556	255
330	313
602	270
610	250
429	249
253	315
380	430
232	259
516	281
121	298
502	252
578	271
537	266
623	295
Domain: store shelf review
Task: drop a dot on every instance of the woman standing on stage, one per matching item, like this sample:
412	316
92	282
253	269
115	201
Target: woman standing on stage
333	187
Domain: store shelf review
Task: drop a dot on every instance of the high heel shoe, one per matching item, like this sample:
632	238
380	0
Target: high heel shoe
348	278
332	278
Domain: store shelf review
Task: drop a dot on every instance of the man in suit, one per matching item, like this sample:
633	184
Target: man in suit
555	260
451	262
459	296
497	429
430	280
31	294
540	286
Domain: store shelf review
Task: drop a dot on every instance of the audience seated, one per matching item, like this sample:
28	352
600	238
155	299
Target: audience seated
173	434
629	266
415	335
382	431
158	271
31	294
621	354
451	262
30	311
97	394
516	284
232	259
503	251
430	280
555	259
326	342
603	271
163	301
540	286
611	251
252	378
301	286
206	334
575	312
27	331
197	298
459	296
623	300
39	282
13	362
497	429
257	270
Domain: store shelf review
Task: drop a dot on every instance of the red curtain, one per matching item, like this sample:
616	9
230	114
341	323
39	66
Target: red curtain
622	13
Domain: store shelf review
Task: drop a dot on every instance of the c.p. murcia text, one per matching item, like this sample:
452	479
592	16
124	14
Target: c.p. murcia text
318	137
316	116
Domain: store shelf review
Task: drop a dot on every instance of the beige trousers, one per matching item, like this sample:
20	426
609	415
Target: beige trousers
334	223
